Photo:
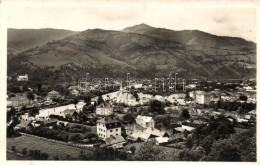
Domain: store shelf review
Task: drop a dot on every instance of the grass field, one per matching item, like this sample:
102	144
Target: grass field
167	151
13	156
52	148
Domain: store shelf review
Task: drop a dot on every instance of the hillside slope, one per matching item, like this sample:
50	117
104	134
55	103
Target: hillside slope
22	39
143	51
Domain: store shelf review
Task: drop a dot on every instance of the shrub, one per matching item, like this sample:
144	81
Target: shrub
24	151
13	148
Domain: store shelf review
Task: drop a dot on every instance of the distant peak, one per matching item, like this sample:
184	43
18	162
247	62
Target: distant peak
144	25
139	27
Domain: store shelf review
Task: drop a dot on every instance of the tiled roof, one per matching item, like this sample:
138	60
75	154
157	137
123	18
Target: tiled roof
69	111
145	118
162	139
17	98
114	140
24	123
104	104
50	121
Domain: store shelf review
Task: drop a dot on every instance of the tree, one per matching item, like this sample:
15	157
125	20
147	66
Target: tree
75	101
243	98
88	108
30	96
184	114
39	86
147	152
87	100
133	149
13	148
129	118
135	95
11	113
156	106
194	154
222	150
100	100
24	151
34	111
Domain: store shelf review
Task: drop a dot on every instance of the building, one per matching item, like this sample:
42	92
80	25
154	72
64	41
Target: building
23	78
145	121
70	114
108	127
18	101
200	97
74	92
115	141
54	95
161	140
24	124
104	109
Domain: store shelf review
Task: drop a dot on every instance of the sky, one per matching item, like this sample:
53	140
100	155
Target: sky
235	22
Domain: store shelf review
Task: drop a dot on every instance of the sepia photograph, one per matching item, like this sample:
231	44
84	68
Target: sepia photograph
130	81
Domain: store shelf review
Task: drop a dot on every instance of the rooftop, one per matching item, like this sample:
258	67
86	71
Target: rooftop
145	118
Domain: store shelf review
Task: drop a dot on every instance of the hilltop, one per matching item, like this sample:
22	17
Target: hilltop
144	51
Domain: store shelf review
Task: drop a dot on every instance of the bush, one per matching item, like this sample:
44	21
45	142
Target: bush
24	151
56	158
13	148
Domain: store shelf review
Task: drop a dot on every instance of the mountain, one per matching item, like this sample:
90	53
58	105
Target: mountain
192	37
142	50
22	39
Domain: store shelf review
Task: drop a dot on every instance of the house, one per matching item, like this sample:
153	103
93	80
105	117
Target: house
74	92
115	141
191	86
22	78
188	128
126	97
9	103
18	101
200	97
70	113
156	132
161	140
249	88
50	122
104	109
130	128
54	95
107	127
74	87
145	121
184	128
177	137
146	134
37	123
26	117
24	124
141	136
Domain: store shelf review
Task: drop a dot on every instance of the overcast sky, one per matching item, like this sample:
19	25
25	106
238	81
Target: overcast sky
235	22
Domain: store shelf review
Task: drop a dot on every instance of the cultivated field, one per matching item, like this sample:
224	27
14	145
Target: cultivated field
52	148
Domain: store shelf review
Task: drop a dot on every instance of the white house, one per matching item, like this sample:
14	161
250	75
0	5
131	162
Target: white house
145	121
108	127
17	101
104	109
74	92
115	141
200	97
54	95
22	78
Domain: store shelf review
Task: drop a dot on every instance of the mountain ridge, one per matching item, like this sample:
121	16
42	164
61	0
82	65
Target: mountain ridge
154	52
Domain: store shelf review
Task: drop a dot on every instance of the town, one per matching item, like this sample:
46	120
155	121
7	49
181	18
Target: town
153	119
